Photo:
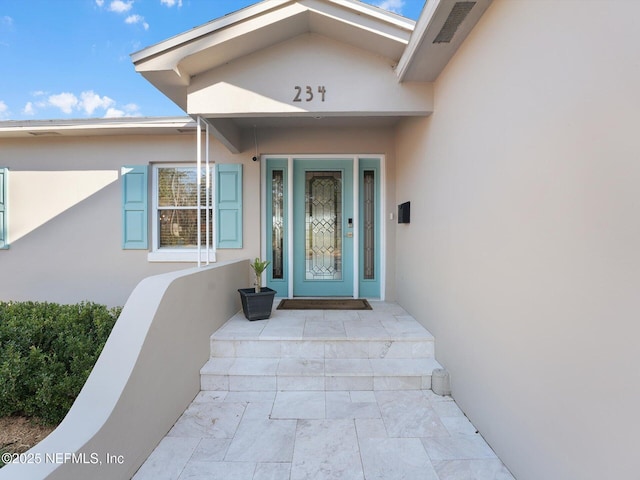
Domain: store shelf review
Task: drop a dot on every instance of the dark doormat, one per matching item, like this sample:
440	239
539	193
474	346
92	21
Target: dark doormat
324	304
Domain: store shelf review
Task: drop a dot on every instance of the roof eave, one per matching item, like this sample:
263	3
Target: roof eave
256	10
96	126
171	64
425	57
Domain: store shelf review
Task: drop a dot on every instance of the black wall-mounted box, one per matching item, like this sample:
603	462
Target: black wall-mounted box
404	212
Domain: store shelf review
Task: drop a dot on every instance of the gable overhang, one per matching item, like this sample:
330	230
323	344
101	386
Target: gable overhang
216	72
442	27
378	66
171	65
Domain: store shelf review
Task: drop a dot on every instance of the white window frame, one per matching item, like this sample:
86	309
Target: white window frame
165	254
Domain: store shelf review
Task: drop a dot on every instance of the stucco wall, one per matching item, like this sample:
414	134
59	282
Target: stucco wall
65	218
253	85
522	254
65	202
143	380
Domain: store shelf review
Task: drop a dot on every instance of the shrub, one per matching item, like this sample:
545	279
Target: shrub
47	351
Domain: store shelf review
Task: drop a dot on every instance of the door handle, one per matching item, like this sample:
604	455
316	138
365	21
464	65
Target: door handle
349	234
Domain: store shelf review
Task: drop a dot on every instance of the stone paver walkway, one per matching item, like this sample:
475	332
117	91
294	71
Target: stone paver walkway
323	434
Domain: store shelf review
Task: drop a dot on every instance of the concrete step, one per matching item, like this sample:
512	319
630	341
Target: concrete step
320	348
381	349
331	374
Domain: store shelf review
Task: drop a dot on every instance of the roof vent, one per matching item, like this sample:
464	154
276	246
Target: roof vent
457	15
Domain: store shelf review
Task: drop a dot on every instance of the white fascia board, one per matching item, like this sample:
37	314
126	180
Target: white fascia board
262	8
417	38
206	29
376	12
398	32
423	53
93	126
170	58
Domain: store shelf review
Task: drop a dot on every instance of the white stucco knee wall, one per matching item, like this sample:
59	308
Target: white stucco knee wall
145	377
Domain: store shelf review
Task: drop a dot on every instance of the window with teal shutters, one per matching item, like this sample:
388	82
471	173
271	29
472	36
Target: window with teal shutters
229	205
134	207
4	174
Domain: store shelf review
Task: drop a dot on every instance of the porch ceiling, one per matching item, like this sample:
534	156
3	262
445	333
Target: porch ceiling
229	131
314	122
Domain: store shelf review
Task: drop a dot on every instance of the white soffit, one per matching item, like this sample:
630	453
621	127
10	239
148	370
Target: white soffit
441	29
171	64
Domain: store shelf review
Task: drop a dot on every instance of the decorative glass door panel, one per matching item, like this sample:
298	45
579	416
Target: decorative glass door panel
369	245
277	219
277	224
323	227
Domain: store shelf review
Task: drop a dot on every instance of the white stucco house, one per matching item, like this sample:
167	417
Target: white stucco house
510	127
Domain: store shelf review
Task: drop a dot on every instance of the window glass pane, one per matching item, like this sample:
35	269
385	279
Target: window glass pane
369	198
177	187
178	228
277	231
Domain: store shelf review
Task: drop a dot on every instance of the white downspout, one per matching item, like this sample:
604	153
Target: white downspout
207	192
198	185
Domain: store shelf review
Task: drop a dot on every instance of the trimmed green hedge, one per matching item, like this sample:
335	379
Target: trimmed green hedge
47	351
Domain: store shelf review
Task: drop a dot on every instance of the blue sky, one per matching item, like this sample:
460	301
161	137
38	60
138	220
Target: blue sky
70	58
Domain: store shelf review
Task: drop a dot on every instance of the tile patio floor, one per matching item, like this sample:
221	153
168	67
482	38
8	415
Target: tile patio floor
305	435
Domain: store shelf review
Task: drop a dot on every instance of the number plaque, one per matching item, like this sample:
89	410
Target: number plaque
306	93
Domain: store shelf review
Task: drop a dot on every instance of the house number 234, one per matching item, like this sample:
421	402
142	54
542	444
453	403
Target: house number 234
307	92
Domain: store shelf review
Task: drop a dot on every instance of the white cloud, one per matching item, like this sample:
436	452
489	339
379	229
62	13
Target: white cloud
395	6
64	101
171	3
114	113
132	109
4	110
120	6
28	109
129	110
133	19
67	102
6	25
125	6
87	103
90	101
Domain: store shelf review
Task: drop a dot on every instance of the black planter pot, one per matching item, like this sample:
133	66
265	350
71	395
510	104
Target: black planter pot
257	306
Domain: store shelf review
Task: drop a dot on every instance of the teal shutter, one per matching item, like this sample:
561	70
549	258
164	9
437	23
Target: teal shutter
134	207
229	205
4	174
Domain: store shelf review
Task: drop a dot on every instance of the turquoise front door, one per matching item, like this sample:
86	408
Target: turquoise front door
323	228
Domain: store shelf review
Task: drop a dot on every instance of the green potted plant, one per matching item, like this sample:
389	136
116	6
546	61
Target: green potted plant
257	302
